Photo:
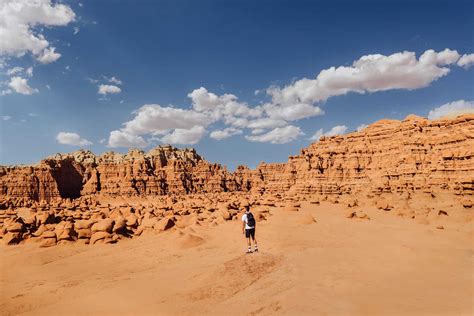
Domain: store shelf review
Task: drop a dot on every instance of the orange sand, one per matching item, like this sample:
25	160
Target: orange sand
337	266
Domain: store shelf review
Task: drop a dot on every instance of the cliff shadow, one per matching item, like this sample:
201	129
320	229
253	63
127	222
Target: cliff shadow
68	179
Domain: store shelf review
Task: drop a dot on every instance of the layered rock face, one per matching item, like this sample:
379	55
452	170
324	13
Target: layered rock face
388	156
162	171
423	169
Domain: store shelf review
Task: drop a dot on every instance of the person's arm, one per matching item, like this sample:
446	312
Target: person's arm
243	227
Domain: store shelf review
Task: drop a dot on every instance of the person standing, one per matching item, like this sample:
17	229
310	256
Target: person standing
248	229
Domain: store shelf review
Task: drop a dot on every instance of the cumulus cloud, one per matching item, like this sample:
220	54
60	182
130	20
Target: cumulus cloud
155	119
48	56
72	139
279	135
257	131
185	136
466	61
370	73
20	23
292	111
452	109
265	122
221	106
299	100
20	85
225	133
105	89
336	130
124	139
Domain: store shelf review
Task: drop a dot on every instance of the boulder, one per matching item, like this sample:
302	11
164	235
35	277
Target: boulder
99	236
11	238
164	224
104	225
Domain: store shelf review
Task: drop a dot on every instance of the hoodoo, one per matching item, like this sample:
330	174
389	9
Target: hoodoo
388	164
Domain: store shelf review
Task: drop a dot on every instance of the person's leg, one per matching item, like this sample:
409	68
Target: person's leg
247	234
254	240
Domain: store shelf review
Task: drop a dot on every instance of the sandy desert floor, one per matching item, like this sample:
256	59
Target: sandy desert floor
337	266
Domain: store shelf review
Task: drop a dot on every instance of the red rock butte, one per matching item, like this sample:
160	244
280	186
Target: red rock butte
83	197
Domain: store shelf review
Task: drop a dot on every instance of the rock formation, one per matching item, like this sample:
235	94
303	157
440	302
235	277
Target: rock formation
64	197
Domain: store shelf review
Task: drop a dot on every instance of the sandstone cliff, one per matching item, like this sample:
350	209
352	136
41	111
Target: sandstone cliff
424	170
388	156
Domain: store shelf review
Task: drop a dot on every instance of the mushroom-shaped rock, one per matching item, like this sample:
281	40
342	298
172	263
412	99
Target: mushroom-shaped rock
48	234
48	242
104	225
11	238
119	224
84	233
99	236
83	224
15	227
164	224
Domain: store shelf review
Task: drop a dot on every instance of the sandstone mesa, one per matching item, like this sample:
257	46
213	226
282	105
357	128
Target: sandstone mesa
419	168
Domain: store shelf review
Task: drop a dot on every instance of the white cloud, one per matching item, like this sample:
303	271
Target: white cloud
6	117
29	71
72	139
115	80
466	61
225	133
221	106
257	131
279	135
124	139
20	23
370	73
185	136
155	119
76	30
103	140
265	122
336	130
48	56
14	70
20	85
361	127
292	112
452	109
108	89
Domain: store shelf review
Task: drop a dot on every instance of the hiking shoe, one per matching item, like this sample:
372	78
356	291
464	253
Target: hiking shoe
256	249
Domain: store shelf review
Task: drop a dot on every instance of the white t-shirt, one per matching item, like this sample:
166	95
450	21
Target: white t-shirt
244	219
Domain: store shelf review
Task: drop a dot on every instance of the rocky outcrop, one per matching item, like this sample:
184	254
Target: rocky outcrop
388	156
390	165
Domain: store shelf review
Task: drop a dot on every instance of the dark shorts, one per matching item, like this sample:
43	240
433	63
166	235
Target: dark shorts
250	233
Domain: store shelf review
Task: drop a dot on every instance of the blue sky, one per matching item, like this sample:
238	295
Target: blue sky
158	52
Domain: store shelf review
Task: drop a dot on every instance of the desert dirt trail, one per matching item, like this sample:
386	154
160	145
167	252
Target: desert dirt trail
336	266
